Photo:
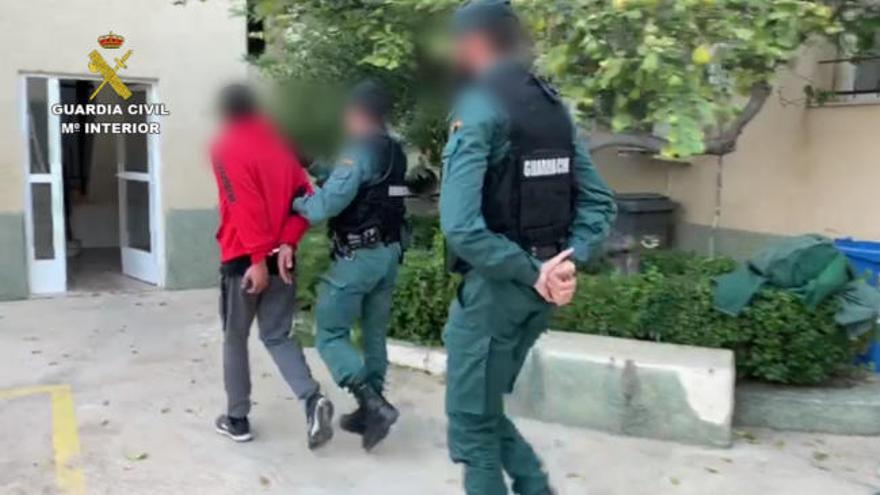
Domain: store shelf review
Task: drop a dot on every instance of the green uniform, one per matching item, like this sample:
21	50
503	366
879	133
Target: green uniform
498	316
357	287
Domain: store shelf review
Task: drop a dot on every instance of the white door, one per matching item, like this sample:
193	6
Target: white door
44	190
137	218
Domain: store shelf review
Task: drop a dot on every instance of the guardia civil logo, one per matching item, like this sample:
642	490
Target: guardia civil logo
128	100
98	65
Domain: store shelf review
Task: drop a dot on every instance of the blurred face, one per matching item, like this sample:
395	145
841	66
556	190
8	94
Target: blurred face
356	121
472	53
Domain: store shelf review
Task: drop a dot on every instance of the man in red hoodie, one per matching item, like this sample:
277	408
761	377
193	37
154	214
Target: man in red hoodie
257	177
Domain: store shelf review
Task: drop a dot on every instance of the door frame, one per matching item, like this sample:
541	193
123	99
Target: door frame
45	277
132	258
154	153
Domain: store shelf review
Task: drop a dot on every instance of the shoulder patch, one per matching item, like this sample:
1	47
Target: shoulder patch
456	125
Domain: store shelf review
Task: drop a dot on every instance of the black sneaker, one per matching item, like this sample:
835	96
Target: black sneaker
319	414
238	429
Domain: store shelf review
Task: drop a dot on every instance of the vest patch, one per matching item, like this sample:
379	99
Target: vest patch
546	167
398	191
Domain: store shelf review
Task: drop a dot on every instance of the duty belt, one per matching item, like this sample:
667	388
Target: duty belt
345	246
544	253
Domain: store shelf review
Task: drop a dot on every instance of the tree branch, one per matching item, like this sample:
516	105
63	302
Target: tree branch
725	141
650	143
720	144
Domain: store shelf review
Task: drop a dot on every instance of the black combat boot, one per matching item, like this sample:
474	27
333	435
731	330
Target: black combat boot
379	415
354	422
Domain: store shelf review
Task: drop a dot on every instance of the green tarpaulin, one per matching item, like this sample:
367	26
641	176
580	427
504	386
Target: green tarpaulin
809	266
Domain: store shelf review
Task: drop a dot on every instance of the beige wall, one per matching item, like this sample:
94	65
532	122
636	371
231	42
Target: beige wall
189	51
797	169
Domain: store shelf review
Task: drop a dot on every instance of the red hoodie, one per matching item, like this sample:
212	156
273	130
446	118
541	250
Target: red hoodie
258	176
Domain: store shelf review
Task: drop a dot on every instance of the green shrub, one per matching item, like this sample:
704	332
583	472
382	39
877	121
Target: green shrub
423	230
421	300
776	339
685	263
312	259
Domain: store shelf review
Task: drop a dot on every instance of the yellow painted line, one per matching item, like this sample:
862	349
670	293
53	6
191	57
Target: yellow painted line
26	391
65	437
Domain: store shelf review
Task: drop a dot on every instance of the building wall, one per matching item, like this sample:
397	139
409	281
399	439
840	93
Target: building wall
188	51
796	170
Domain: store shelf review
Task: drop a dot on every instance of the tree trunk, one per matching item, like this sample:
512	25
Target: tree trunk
716	216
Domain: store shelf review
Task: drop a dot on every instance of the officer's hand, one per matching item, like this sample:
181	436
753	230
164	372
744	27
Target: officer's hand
256	278
285	263
542	285
562	283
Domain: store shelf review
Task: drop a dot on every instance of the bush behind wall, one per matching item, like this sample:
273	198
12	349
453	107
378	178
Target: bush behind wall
776	339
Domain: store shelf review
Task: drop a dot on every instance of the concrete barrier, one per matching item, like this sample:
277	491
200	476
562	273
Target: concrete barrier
628	387
643	389
427	359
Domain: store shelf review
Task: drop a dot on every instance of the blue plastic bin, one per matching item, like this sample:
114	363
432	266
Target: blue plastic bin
864	257
871	357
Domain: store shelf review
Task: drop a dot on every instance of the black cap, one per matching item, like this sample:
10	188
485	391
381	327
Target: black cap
372	97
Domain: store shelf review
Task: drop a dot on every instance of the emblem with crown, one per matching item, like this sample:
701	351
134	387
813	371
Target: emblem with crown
111	41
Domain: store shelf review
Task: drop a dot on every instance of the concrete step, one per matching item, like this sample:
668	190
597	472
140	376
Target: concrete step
843	410
628	387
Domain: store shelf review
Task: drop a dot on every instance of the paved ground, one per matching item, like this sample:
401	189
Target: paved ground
144	373
100	269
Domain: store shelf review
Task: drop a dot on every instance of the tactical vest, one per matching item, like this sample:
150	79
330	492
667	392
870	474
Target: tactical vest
529	196
380	203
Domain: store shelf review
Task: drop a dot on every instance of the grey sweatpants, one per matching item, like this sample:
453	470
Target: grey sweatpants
274	310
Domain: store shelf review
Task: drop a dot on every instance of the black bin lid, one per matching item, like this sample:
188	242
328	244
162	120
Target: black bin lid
644	203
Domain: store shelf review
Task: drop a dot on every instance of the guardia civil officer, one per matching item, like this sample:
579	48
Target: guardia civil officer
363	198
519	195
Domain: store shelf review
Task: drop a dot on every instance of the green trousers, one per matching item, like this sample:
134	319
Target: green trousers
354	290
492	325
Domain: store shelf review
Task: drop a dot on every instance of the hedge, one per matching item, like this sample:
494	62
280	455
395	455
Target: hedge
312	259
776	339
421	301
